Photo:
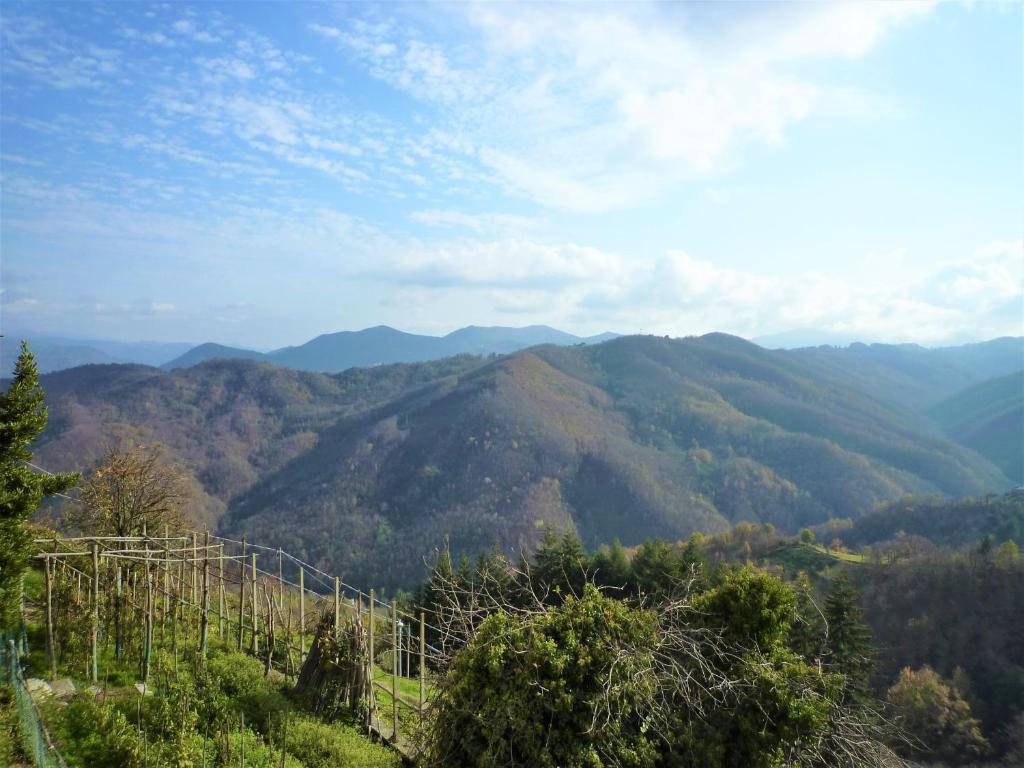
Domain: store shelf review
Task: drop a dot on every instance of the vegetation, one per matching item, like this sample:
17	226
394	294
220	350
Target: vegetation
987	418
637	438
22	489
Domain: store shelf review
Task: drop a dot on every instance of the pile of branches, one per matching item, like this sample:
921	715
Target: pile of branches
334	675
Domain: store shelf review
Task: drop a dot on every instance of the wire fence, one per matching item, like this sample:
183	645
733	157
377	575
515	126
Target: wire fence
35	737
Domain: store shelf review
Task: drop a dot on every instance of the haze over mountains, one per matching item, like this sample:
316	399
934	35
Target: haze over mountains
330	352
640	436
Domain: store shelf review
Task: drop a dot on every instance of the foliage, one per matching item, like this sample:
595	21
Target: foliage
94	735
12	751
318	745
22	418
550	689
937	717
636	438
848	641
131	492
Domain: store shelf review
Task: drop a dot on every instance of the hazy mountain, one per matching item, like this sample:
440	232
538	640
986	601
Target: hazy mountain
641	436
334	352
913	376
211	351
989	417
54	353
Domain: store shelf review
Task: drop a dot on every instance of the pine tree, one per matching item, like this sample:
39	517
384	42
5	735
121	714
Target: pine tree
22	419
849	641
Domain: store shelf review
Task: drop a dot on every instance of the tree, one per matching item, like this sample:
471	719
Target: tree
657	571
848	645
562	686
807	536
22	419
937	717
132	491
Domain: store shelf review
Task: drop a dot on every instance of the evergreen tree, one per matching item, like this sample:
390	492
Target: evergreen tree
848	648
611	568
22	419
560	567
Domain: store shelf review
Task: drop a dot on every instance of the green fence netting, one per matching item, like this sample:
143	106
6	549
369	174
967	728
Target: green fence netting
36	739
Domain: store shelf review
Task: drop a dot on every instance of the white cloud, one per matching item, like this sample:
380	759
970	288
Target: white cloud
599	107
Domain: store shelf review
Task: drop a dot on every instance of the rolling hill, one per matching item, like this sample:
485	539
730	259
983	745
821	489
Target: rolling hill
637	437
381	345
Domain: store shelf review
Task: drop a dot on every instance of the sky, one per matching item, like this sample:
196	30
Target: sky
258	174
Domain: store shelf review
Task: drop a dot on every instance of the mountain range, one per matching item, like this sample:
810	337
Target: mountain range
639	436
330	353
334	352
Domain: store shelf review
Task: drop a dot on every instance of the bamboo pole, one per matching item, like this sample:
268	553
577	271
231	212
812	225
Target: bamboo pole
337	608
220	586
394	668
255	615
280	579
241	596
50	650
147	645
302	613
370	675
423	666
204	620
95	611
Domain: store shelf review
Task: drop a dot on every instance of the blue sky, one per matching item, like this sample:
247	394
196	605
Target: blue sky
258	174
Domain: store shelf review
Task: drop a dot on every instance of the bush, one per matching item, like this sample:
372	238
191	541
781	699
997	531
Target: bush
319	745
95	735
559	687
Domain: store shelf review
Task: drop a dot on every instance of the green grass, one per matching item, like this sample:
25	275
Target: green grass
12	751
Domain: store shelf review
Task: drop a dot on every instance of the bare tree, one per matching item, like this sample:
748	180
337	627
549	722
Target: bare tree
133	490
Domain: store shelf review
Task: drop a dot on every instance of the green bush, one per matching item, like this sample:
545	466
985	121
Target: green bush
319	745
561	687
95	735
234	683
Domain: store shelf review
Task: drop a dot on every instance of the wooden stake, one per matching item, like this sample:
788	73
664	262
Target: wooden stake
337	608
95	611
220	587
147	643
50	650
241	595
255	615
394	669
204	620
423	666
370	675
302	613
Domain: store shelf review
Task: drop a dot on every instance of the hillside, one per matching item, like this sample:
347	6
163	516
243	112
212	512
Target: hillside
912	376
633	438
988	417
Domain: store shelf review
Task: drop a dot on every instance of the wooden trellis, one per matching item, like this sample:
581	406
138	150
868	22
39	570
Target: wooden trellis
193	577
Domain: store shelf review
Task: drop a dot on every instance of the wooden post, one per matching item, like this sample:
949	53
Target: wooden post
394	668
167	577
195	569
220	587
50	650
255	616
369	673
280	580
302	613
147	643
95	611
423	665
204	619
337	608
241	595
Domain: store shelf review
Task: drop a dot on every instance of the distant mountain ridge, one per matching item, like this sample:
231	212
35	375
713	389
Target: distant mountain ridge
640	436
381	345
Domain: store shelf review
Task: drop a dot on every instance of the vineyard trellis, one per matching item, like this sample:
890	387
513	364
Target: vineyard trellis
125	589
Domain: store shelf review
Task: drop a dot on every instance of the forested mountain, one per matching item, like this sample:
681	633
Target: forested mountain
988	417
334	352
638	437
911	375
